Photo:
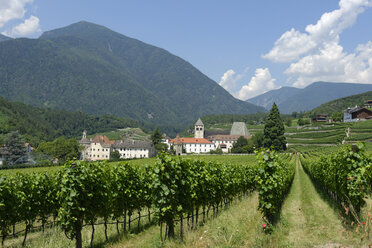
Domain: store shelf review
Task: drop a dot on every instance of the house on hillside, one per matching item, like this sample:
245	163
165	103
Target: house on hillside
320	118
368	103
357	114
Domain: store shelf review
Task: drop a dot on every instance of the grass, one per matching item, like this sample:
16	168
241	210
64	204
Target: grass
236	226
126	133
310	219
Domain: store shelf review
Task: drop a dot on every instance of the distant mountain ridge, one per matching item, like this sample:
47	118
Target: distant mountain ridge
290	99
89	67
4	38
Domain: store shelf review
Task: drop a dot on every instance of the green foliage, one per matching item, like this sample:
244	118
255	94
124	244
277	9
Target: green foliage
115	155
257	139
344	173
337	116
24	197
61	148
274	131
273	180
288	122
243	145
180	186
156	136
43	124
302	122
15	147
339	105
217	151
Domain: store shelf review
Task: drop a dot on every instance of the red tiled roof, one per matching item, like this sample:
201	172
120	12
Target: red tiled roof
102	139
192	141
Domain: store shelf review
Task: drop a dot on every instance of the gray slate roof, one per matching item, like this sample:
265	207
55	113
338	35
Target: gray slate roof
199	123
239	128
132	144
352	110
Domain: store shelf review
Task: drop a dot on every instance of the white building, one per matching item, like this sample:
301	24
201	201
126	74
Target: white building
134	149
196	145
100	148
224	142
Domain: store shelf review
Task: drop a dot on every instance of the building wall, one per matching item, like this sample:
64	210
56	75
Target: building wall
199	131
229	144
199	148
362	115
134	152
97	152
348	117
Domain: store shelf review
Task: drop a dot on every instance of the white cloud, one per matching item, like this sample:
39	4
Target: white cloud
230	78
292	44
335	65
260	83
28	27
12	9
316	54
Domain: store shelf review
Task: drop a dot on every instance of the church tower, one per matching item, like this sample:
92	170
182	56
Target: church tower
199	129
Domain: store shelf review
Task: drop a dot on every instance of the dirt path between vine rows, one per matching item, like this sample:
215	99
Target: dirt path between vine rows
309	219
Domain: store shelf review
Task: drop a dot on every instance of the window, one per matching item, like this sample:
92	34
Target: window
97	150
97	156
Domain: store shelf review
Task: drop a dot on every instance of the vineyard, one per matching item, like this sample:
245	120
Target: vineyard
170	201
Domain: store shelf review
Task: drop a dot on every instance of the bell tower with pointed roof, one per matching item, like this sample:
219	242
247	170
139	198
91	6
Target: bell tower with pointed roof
199	129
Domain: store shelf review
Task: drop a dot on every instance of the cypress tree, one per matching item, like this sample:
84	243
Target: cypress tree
274	131
15	147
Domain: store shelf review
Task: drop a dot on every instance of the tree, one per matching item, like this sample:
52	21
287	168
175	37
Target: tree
15	147
258	139
337	116
243	145
274	131
288	122
61	148
156	138
115	155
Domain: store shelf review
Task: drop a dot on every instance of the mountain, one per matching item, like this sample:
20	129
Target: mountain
341	104
309	97
278	96
91	68
43	124
4	38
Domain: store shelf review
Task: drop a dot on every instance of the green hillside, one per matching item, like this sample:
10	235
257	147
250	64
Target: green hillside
90	68
43	124
343	103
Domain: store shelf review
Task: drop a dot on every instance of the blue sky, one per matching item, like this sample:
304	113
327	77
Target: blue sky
248	47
